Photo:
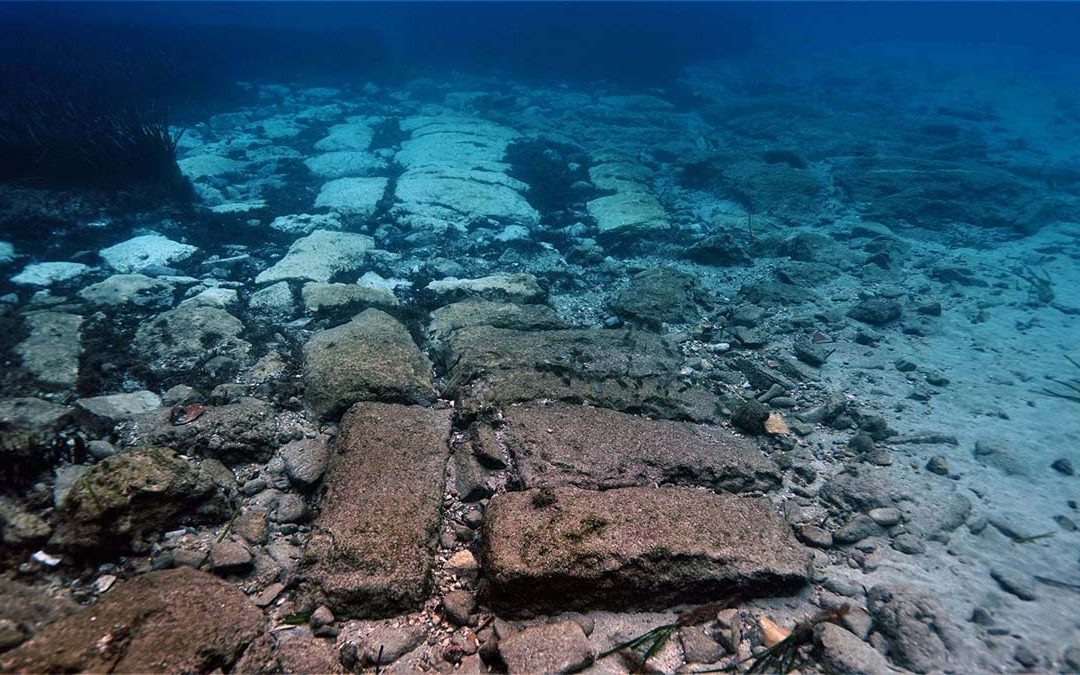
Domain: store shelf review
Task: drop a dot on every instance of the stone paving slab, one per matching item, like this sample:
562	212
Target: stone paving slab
593	448
566	548
370	553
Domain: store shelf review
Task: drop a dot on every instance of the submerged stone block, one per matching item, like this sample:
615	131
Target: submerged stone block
565	548
594	448
370	553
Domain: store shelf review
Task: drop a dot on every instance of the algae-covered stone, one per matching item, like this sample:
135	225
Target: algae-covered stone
319	256
661	295
618	369
136	494
29	426
246	430
564	548
371	358
370	554
593	448
168	621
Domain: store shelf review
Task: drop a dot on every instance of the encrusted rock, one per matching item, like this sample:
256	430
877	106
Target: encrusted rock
136	290
202	343
246	430
169	621
371	358
661	295
369	553
138	253
306	460
567	548
138	493
104	412
915	625
447	319
843	652
595	448
29	426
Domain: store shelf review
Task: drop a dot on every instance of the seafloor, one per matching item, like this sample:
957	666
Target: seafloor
469	374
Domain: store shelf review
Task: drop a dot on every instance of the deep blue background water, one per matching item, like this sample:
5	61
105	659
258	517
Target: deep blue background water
179	49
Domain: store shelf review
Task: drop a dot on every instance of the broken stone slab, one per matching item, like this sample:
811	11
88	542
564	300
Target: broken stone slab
371	358
104	412
566	548
48	273
370	553
191	340
352	196
51	351
349	299
597	449
141	492
247	430
476	312
137	290
319	256
489	367
138	253
629	213
517	287
306	460
168	621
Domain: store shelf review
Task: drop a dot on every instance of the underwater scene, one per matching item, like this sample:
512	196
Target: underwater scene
539	337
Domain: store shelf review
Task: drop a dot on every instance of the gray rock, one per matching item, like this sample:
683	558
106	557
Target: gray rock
386	477
200	343
1016	582
230	557
319	256
885	517
291	508
51	351
344	300
856	529
101	449
140	252
473	480
306	460
567	548
177	620
661	295
449	318
843	652
29	426
274	303
104	412
929	505
550	648
939	465
136	290
729	629
137	493
815	536
513	288
384	643
876	311
915	626
909	544
459	606
618	369
593	448
371	358
20	528
247	430
698	647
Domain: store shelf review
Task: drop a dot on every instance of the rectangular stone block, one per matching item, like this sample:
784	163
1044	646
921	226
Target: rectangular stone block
566	548
561	444
371	549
